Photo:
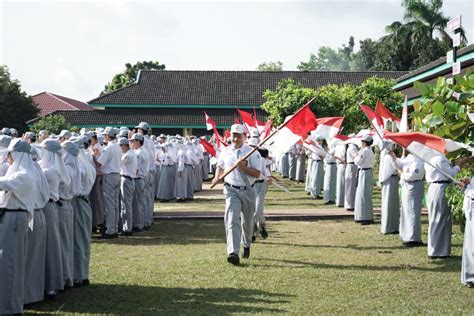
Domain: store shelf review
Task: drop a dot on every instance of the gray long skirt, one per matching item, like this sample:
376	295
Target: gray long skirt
54	279
35	260
182	184
285	166
363	210
205	167
410	215
197	171
190	183
307	187
157	180
340	181
166	191
350	186
300	166
96	196
292	160
440	221
317	178
14	244
330	183
390	216
467	265
66	239
82	238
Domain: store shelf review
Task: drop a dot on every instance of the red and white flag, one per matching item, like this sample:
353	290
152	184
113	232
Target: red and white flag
266	130
385	114
297	126
328	127
208	147
210	124
424	145
247	118
403	126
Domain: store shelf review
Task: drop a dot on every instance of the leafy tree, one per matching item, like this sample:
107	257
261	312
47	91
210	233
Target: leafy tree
51	123
271	66
326	59
364	59
15	105
129	75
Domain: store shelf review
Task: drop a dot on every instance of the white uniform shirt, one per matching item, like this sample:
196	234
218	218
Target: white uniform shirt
387	169
142	162
110	159
230	155
129	164
150	148
442	163
340	152
412	168
330	156
181	160
166	159
365	158
20	180
468	204
351	153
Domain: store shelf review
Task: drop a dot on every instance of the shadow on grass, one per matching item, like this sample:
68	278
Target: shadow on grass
148	300
187	232
444	265
354	247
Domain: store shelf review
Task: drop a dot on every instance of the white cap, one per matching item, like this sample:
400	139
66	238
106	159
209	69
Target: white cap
367	138
253	141
237	129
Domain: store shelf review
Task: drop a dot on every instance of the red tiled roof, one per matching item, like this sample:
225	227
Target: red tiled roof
49	102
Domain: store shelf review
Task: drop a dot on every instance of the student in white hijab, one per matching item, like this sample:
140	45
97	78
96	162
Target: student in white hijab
36	254
69	209
58	180
4	143
16	214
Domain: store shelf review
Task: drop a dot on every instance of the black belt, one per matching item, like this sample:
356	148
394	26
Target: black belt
365	168
330	163
414	181
237	187
394	175
127	177
259	181
12	210
188	165
318	160
444	181
138	178
350	163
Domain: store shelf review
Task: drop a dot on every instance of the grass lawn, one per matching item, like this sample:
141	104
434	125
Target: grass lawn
275	200
321	267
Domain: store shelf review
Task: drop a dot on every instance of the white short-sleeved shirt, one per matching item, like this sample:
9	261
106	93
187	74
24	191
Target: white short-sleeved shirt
230	155
142	162
351	153
365	158
442	163
412	168
110	159
129	164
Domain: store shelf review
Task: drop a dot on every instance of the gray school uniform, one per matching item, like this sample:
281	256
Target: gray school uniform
439	213
36	260
181	176
317	177
96	198
363	210
128	173
329	188
140	212
14	244
285	165
166	191
190	182
467	265
137	204
205	167
390	214
307	186
82	237
150	181
350	178
300	166
239	197
157	179
65	214
292	161
261	187
340	176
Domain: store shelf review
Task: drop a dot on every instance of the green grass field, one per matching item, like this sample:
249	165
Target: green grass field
320	267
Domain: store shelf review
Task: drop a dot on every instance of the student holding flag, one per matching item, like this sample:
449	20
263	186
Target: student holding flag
364	160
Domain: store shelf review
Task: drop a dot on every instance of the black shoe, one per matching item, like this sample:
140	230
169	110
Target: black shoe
264	233
470	284
86	282
126	234
164	201
366	222
137	230
308	193
254	238
246	253
350	209
108	236
234	259
50	297
78	284
318	197
329	202
439	257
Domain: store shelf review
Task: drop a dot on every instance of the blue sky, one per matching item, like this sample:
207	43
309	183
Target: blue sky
73	48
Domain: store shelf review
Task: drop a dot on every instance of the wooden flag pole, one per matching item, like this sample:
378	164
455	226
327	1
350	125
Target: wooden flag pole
259	145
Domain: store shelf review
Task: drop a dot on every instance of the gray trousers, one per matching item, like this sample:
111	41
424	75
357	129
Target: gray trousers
300	166
363	210
285	166
317	178
127	190
198	177
82	237
66	239
467	265
14	244
166	191
111	184
330	183
97	202
340	183
292	160
54	263
440	221
35	260
205	168
137	204
307	186
410	215
190	182
238	218
260	191
390	217
150	198
350	186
